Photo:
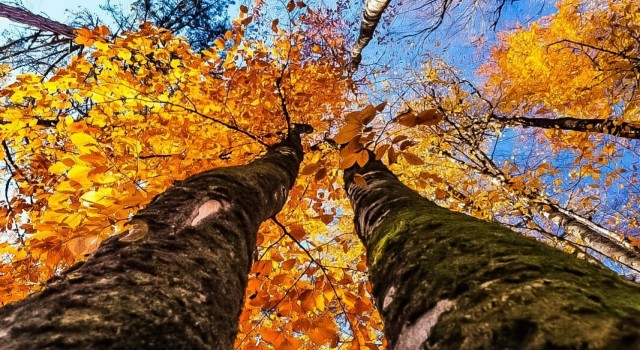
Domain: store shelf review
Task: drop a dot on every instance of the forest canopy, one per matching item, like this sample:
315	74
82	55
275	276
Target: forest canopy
538	131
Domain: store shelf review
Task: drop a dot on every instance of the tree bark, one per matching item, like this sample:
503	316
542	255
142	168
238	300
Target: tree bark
604	241
175	279
373	10
19	15
446	280
602	126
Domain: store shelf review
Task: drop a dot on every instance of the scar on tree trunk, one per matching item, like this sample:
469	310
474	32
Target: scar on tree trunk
176	278
446	280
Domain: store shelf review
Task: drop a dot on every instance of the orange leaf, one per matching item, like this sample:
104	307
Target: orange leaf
347	132
326	219
363	158
381	151
320	174
297	231
392	156
301	325
359	180
348	161
354	146
262	267
219	43
288	264
381	106
412	158
427	117
364	116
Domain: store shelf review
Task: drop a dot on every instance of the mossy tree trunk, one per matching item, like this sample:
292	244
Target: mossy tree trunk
176	279
445	280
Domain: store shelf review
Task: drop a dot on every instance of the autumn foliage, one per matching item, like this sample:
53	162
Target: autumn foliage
93	143
88	146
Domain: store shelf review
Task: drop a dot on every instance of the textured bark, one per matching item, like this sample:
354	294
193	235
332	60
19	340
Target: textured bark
445	280
602	126
579	229
618	249
176	279
373	10
19	15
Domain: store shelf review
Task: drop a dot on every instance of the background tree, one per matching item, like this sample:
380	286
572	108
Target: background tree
469	131
201	21
41	47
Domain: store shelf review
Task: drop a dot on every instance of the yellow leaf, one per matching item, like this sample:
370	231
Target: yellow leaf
58	201
81	139
79	173
73	220
102	196
124	54
58	168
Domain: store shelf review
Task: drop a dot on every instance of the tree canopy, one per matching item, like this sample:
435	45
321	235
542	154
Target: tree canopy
543	140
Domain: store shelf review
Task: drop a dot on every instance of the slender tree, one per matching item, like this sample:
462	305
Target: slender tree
176	277
48	43
449	281
601	126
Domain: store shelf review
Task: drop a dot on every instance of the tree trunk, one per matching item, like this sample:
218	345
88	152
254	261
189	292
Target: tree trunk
446	280
602	126
175	279
373	10
604	241
19	15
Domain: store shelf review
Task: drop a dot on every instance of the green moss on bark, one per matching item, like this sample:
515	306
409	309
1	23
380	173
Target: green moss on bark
507	291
